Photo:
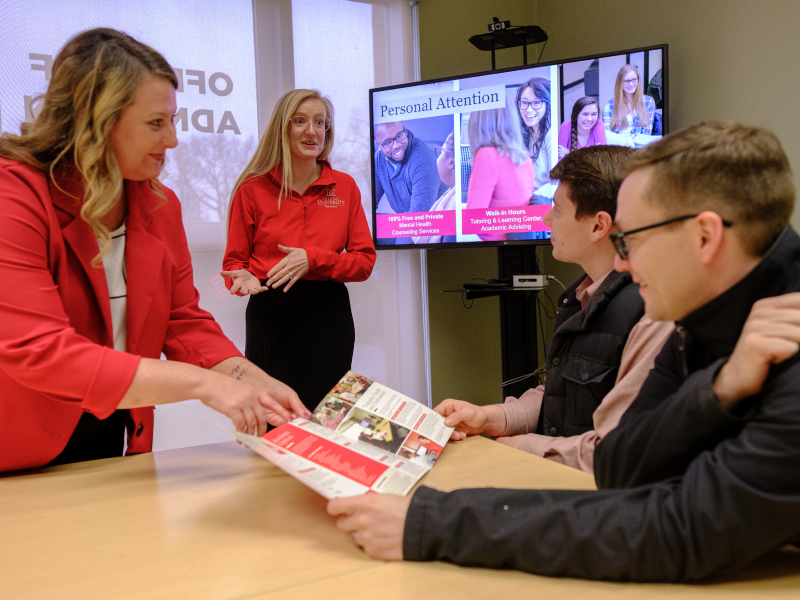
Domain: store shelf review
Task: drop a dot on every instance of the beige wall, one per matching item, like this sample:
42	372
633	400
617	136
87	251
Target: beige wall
728	59
465	343
445	27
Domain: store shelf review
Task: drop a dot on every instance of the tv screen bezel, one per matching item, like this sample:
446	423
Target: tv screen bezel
554	123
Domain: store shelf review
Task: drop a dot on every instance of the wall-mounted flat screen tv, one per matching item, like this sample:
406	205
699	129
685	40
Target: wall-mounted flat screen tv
465	161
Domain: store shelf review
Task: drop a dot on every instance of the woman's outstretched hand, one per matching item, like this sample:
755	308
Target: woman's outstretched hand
244	282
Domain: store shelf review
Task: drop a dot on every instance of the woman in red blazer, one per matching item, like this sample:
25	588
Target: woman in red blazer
79	365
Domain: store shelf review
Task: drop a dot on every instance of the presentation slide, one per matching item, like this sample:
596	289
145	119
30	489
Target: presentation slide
466	161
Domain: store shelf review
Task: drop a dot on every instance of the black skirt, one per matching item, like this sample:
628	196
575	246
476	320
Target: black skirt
303	337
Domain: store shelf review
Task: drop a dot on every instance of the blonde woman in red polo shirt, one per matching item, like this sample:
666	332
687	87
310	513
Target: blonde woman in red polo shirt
296	233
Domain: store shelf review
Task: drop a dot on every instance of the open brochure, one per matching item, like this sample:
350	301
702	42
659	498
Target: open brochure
362	437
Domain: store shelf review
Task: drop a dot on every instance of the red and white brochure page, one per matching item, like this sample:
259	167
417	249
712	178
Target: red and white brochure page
405	411
331	464
362	437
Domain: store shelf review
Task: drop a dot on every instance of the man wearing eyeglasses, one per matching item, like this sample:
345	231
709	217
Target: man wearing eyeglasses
603	347
406	171
701	475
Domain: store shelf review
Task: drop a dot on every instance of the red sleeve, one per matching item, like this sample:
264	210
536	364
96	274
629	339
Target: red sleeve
38	346
241	229
483	179
355	264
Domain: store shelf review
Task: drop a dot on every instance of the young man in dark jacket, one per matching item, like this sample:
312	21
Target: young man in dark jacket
708	455
604	345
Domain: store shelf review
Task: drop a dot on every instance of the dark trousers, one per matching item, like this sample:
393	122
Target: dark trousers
303	337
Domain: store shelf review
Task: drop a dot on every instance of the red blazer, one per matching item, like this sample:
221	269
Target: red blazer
56	340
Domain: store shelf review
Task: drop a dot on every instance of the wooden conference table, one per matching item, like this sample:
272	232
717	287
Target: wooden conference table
220	522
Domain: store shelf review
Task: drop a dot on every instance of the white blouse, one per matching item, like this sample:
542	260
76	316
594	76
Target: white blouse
117	281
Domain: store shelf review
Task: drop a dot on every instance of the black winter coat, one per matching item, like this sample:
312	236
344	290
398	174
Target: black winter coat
695	490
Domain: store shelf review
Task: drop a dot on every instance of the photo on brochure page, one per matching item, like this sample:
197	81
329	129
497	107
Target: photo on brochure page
363	436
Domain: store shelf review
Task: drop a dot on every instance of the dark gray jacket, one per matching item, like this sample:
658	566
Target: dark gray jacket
713	490
584	357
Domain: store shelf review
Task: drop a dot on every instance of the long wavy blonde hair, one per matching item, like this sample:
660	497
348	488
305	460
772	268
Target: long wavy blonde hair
95	77
619	119
273	149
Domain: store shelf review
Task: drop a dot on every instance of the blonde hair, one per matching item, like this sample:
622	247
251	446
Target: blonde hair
273	149
497	128
619	119
740	172
95	77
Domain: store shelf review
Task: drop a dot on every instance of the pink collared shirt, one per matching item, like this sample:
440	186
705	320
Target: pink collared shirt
522	414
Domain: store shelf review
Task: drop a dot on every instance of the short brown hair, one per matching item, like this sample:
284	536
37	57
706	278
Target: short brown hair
740	172
593	177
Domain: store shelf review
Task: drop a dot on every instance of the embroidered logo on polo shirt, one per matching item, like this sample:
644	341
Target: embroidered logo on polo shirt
330	200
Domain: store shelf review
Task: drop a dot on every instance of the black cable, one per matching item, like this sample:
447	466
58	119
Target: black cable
464	300
541	327
514	380
541	52
464	293
544	307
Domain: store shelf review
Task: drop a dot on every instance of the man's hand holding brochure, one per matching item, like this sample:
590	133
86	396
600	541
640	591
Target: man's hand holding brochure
362	437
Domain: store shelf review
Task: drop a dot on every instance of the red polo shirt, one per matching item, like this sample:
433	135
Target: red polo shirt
327	221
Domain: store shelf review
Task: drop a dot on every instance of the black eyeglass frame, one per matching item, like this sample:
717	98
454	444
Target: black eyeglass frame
521	102
619	242
386	144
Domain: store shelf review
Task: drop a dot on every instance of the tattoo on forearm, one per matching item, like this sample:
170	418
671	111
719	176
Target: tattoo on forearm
240	369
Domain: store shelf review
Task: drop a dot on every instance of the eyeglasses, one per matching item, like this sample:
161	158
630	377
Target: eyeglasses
319	123
386	144
619	241
629	81
442	149
524	104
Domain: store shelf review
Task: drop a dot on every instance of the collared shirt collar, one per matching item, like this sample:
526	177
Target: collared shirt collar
588	287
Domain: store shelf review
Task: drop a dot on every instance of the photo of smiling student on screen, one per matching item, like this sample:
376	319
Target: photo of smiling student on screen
533	104
630	111
584	128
